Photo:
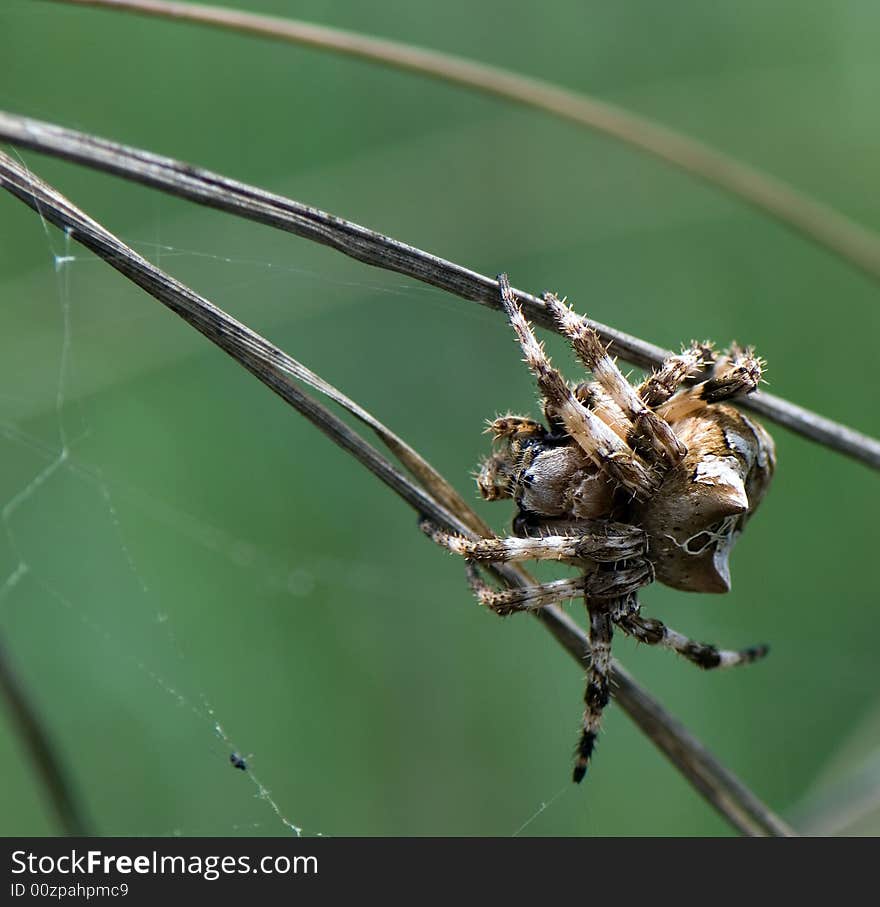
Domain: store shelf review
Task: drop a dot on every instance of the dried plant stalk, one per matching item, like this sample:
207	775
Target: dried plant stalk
776	198
44	756
365	245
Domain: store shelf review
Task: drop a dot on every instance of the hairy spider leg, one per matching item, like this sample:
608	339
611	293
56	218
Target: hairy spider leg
608	451
598	682
659	386
495	477
610	543
619	549
526	598
655	633
533	598
736	373
649	434
511	426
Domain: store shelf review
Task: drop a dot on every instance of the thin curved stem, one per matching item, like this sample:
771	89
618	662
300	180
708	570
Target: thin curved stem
365	245
43	754
821	223
278	371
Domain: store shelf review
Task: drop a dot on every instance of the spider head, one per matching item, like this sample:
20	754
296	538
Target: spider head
703	504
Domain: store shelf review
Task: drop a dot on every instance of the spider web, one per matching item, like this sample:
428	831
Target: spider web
59	462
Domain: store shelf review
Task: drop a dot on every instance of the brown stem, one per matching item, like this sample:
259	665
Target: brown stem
43	755
820	223
355	241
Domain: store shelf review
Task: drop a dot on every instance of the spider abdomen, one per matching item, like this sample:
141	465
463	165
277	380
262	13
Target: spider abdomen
702	506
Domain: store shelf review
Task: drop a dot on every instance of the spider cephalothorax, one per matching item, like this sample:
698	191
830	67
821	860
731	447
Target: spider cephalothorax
628	484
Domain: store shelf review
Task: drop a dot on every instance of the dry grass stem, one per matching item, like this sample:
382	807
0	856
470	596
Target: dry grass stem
820	223
365	245
43	756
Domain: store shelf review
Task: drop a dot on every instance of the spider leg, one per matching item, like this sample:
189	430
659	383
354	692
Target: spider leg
511	426
596	439
598	681
654	632
497	473
617	568
736	373
620	579
495	477
593	396
656	389
526	598
649	434
609	543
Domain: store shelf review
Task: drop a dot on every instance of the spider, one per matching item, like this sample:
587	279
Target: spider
628	484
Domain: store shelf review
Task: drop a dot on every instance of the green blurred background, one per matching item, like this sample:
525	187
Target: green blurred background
203	555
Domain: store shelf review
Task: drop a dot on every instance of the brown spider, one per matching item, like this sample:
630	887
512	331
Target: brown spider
628	484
